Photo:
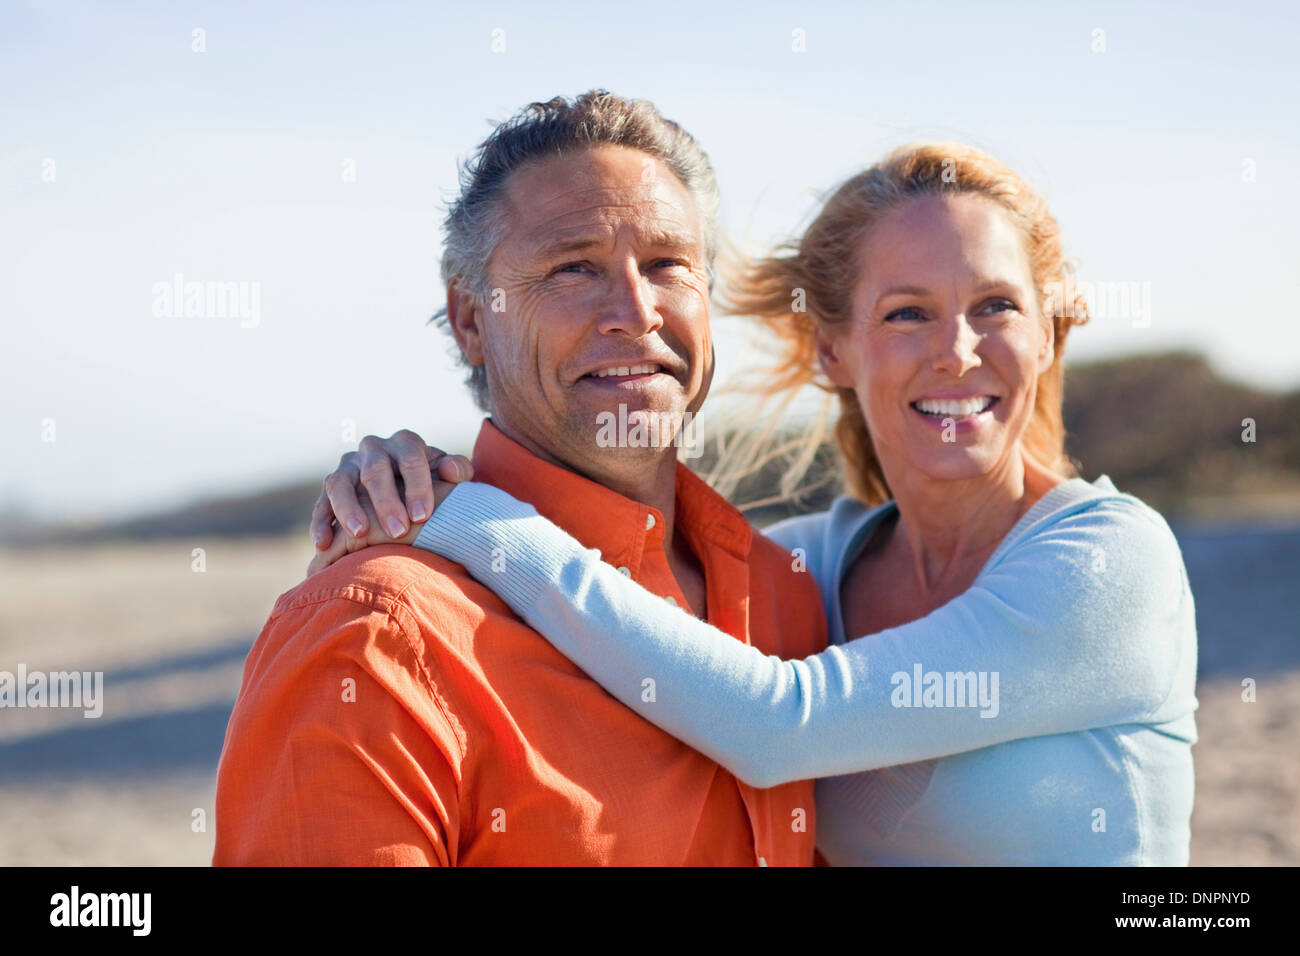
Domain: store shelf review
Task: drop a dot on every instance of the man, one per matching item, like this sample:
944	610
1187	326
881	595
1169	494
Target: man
393	710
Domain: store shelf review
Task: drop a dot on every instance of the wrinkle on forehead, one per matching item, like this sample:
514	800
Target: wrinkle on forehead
605	194
604	209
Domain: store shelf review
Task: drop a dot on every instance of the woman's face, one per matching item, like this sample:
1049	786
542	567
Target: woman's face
946	340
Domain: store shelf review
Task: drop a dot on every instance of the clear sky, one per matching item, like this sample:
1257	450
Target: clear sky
308	148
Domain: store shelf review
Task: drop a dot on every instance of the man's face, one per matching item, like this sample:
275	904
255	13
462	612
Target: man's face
600	298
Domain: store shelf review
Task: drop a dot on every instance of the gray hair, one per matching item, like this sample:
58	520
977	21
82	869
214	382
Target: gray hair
474	224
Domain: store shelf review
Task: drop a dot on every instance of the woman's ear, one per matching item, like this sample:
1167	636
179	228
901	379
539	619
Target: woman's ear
1047	352
827	344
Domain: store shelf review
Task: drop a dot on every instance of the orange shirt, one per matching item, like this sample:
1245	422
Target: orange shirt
395	711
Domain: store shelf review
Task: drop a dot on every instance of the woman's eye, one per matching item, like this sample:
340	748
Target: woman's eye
1003	305
908	314
668	263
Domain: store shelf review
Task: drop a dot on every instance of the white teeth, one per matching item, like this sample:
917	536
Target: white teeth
627	370
957	408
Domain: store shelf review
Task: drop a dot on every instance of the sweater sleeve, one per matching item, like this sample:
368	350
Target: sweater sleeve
1081	624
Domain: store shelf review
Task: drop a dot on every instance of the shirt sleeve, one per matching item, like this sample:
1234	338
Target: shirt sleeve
1080	625
333	755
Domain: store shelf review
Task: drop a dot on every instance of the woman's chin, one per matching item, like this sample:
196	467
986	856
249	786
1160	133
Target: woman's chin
954	463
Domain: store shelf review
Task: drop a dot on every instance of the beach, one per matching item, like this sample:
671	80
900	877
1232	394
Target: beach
169	624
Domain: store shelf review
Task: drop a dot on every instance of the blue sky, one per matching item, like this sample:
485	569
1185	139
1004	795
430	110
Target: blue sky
1171	158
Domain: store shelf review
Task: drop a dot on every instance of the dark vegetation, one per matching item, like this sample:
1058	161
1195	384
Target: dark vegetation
1165	428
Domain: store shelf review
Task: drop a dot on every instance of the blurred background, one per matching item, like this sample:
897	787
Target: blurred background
161	461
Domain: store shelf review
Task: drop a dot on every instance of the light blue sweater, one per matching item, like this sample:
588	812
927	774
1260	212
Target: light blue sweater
1044	716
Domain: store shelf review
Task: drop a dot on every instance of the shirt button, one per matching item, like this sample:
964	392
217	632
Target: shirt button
649	521
625	572
762	861
671	600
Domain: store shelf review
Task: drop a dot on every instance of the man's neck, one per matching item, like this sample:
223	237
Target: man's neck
652	481
635	475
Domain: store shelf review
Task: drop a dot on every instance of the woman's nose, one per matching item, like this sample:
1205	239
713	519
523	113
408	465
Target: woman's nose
956	348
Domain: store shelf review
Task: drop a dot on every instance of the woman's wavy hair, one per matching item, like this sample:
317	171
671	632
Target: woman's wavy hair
810	281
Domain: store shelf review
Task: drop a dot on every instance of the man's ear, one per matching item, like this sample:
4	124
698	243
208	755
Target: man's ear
465	317
828	355
705	381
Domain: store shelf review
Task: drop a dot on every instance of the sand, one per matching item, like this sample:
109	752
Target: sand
136	785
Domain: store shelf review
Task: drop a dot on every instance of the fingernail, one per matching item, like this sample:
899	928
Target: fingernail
418	512
316	538
463	469
355	526
395	529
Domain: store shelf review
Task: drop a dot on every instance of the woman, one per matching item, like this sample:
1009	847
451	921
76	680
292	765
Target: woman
1012	665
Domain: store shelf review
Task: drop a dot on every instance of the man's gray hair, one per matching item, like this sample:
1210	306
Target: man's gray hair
474	223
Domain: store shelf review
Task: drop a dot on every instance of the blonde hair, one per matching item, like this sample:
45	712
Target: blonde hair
819	271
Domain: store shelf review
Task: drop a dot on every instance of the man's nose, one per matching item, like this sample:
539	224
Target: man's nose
956	347
629	304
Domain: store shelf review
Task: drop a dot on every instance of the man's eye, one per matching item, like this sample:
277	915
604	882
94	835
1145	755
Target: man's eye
572	267
908	313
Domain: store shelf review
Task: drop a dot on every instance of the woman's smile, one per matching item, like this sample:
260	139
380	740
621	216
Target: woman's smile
962	414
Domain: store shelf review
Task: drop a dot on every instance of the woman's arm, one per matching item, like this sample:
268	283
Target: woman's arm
1053	639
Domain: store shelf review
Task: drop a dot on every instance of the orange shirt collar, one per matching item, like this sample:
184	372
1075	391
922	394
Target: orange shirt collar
603	519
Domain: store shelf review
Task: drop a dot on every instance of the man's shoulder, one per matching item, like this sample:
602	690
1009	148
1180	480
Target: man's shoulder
405	617
793	597
383	603
768	551
345	655
381	577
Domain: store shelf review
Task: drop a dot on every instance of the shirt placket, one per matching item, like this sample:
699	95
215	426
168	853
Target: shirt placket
727	583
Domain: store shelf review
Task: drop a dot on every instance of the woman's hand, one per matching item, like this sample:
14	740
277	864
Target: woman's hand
362	498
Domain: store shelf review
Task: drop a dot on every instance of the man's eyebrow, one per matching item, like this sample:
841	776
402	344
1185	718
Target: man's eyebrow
671	237
560	245
557	245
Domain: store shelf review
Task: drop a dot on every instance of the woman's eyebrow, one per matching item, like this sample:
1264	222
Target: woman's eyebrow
921	291
903	290
996	284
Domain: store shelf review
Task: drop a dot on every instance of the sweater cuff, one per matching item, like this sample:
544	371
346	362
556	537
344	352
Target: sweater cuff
503	542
